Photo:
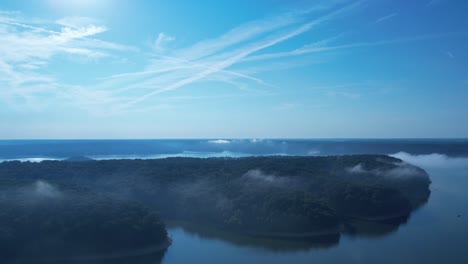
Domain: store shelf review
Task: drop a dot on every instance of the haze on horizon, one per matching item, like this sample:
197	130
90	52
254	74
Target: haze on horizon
233	69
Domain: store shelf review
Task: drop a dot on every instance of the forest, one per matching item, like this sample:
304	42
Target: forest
278	196
40	222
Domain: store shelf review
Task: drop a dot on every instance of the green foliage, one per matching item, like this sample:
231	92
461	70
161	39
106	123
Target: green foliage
74	224
251	195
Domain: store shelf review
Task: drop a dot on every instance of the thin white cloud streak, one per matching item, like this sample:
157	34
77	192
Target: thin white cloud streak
30	49
221	65
237	35
385	18
288	106
345	94
27	47
307	50
175	64
13	22
39	43
450	55
76	22
199	60
161	40
433	3
241	54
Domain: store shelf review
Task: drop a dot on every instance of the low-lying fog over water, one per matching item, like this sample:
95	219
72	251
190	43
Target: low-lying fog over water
38	150
434	233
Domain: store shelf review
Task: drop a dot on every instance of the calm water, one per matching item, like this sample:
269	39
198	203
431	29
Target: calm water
435	233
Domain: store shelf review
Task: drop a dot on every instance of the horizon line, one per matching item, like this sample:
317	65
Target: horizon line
241	138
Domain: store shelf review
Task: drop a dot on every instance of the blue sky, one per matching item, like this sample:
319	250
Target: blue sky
233	69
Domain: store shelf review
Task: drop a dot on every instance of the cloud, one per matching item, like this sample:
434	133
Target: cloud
76	22
238	35
288	106
310	49
161	40
220	141
44	189
222	64
68	33
433	3
385	18
345	94
450	55
30	45
434	160
235	48
26	42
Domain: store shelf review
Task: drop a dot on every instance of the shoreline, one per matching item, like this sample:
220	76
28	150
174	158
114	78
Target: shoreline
269	235
380	219
318	234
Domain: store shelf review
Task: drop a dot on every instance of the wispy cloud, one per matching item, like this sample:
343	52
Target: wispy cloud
349	95
21	42
385	18
288	106
450	54
433	3
76	22
209	51
28	46
309	49
161	40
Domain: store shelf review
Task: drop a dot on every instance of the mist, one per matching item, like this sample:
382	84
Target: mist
434	160
260	176
401	170
44	189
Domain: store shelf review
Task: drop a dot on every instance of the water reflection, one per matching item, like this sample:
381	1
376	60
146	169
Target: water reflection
373	229
264	243
353	228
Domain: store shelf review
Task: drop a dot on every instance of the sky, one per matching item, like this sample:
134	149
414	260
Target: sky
84	69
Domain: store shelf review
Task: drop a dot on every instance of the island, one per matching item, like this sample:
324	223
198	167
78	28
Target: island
280	197
42	223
